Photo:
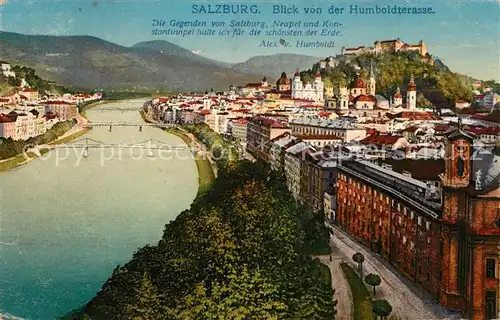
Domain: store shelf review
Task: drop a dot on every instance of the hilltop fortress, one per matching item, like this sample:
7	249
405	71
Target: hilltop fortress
387	46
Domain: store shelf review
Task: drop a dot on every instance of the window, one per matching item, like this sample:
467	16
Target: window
412	215
428	225
490	268
419	221
404	239
461	166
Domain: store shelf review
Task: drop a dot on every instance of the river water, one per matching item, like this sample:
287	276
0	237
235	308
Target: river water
67	220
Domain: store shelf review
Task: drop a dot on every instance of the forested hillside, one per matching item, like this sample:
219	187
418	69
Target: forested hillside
240	252
436	84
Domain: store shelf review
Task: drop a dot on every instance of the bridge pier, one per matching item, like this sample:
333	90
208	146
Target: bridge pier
86	152
140	128
110	127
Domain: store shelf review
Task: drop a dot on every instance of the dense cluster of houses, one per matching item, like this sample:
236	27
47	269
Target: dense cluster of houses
419	188
26	114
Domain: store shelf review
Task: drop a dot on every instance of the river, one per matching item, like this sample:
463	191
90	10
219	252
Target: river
67	221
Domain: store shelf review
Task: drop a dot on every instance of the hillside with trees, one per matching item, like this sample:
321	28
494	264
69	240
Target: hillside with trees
34	81
242	251
436	84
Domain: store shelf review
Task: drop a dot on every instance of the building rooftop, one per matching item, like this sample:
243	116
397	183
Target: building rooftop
407	189
420	169
325	123
381	139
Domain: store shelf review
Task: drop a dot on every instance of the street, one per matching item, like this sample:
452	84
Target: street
407	300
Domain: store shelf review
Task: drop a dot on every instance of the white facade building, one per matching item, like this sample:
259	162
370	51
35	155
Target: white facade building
6	70
314	92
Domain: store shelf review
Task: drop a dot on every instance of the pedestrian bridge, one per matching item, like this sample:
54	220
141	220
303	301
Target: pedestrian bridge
139	125
150	145
122	110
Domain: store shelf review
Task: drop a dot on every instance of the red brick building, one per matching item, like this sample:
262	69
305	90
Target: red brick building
445	236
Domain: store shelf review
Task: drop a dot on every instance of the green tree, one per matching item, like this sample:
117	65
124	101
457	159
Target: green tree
373	280
382	308
359	258
146	304
246	295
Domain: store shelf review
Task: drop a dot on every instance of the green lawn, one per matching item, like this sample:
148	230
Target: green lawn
70	137
325	272
361	297
17	160
205	172
11	163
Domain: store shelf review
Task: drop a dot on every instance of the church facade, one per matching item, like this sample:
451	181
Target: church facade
314	92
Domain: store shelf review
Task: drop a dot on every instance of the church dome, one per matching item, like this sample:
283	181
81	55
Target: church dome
297	74
398	95
283	75
366	98
318	75
284	80
412	86
358	83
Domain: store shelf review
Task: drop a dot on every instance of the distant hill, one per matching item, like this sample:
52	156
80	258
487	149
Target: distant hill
168	48
93	63
273	65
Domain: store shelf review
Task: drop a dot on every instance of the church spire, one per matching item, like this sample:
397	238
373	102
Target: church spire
411	85
371	83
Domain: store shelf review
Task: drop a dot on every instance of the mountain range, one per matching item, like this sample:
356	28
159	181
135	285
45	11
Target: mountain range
93	63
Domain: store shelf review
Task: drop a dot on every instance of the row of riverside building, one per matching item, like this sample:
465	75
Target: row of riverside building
26	114
436	220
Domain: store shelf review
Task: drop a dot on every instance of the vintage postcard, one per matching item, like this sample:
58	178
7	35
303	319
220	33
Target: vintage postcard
249	159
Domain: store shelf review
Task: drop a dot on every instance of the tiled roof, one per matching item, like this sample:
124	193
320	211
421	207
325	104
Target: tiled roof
5	118
325	123
365	98
491	117
58	102
318	137
268	122
253	85
381	139
420	169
